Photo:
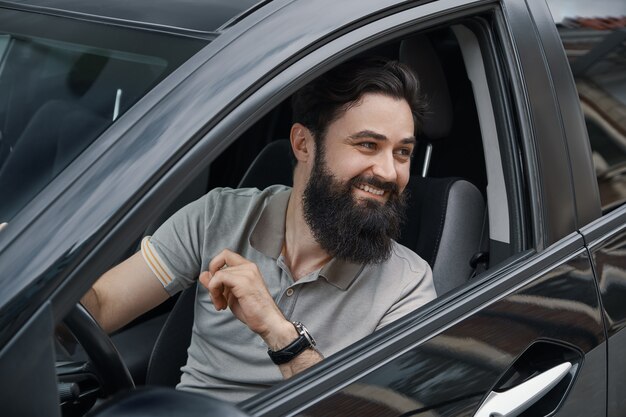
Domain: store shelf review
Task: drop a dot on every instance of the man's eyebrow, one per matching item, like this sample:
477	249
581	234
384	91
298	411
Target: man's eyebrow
370	134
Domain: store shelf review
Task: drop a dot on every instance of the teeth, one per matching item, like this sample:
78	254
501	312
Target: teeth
371	190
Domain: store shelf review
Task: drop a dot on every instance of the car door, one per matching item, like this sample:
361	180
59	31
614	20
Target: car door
597	55
607	239
531	326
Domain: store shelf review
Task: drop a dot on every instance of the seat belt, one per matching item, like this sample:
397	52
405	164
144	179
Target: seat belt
479	262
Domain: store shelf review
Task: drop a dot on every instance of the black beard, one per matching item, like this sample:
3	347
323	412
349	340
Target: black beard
355	231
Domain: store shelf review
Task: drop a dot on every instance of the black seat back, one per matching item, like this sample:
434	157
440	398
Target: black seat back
444	225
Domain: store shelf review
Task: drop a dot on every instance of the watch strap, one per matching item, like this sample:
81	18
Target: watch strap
303	341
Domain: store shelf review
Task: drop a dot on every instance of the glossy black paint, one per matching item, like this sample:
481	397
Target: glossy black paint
201	17
161	402
582	171
20	378
607	242
549	170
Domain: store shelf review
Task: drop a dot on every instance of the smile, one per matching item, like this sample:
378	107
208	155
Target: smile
370	189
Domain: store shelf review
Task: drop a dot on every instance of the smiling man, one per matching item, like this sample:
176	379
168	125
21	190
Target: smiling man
290	275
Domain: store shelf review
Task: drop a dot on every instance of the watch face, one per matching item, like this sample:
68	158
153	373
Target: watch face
304	332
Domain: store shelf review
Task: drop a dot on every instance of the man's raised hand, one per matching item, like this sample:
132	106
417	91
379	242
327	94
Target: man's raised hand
236	283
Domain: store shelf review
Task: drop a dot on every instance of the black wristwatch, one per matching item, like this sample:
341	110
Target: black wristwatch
303	342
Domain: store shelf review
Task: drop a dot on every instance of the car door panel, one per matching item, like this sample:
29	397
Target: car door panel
606	238
473	354
525	319
29	383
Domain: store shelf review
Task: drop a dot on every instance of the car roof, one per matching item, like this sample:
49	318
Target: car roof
193	15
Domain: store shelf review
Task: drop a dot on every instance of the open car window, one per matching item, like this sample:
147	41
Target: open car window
470	148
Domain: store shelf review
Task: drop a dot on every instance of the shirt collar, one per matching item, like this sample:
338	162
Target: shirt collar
341	273
268	236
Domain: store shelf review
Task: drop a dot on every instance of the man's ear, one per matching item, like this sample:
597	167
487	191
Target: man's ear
301	142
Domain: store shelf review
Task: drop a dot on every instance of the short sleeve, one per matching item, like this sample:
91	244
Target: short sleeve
418	290
174	251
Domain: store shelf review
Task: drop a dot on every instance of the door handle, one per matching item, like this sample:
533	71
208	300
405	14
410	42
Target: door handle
514	401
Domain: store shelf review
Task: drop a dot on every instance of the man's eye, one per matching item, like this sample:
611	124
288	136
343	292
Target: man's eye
405	152
368	145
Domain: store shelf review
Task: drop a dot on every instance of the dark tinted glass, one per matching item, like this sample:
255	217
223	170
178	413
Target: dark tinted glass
596	51
63	82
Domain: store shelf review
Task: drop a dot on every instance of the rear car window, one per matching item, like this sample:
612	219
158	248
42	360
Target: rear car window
63	82
596	51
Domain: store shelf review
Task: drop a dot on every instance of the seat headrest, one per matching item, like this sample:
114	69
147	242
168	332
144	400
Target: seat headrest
418	53
272	166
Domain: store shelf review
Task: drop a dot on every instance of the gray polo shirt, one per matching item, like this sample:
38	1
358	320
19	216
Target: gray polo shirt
339	304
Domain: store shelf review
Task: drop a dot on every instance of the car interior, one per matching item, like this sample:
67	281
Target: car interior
460	215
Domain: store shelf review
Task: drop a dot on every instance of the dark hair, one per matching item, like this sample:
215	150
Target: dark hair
325	99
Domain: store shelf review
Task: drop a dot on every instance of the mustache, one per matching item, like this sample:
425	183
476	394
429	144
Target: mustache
392	187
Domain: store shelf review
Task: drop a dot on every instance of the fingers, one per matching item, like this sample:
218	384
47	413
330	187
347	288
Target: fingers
226	271
216	290
228	258
236	283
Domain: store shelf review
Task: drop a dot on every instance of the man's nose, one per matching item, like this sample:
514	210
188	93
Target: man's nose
384	167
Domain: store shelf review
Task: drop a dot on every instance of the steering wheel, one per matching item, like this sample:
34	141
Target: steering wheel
111	369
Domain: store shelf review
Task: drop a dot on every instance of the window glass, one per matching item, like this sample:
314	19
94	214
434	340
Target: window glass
596	51
4	42
61	90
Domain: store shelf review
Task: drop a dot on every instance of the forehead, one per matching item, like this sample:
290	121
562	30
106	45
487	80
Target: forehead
374	111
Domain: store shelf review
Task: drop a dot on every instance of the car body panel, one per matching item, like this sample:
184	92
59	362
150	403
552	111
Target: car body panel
202	17
544	142
585	186
20	379
607	242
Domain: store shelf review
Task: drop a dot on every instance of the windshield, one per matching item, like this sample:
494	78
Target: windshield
63	82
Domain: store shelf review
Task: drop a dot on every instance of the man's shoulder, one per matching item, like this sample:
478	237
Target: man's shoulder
406	260
242	196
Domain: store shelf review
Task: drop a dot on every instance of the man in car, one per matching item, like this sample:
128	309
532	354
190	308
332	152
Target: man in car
321	253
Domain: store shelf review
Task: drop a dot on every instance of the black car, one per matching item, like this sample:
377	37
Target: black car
115	114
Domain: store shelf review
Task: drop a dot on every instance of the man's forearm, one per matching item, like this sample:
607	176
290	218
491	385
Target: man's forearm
282	336
303	361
